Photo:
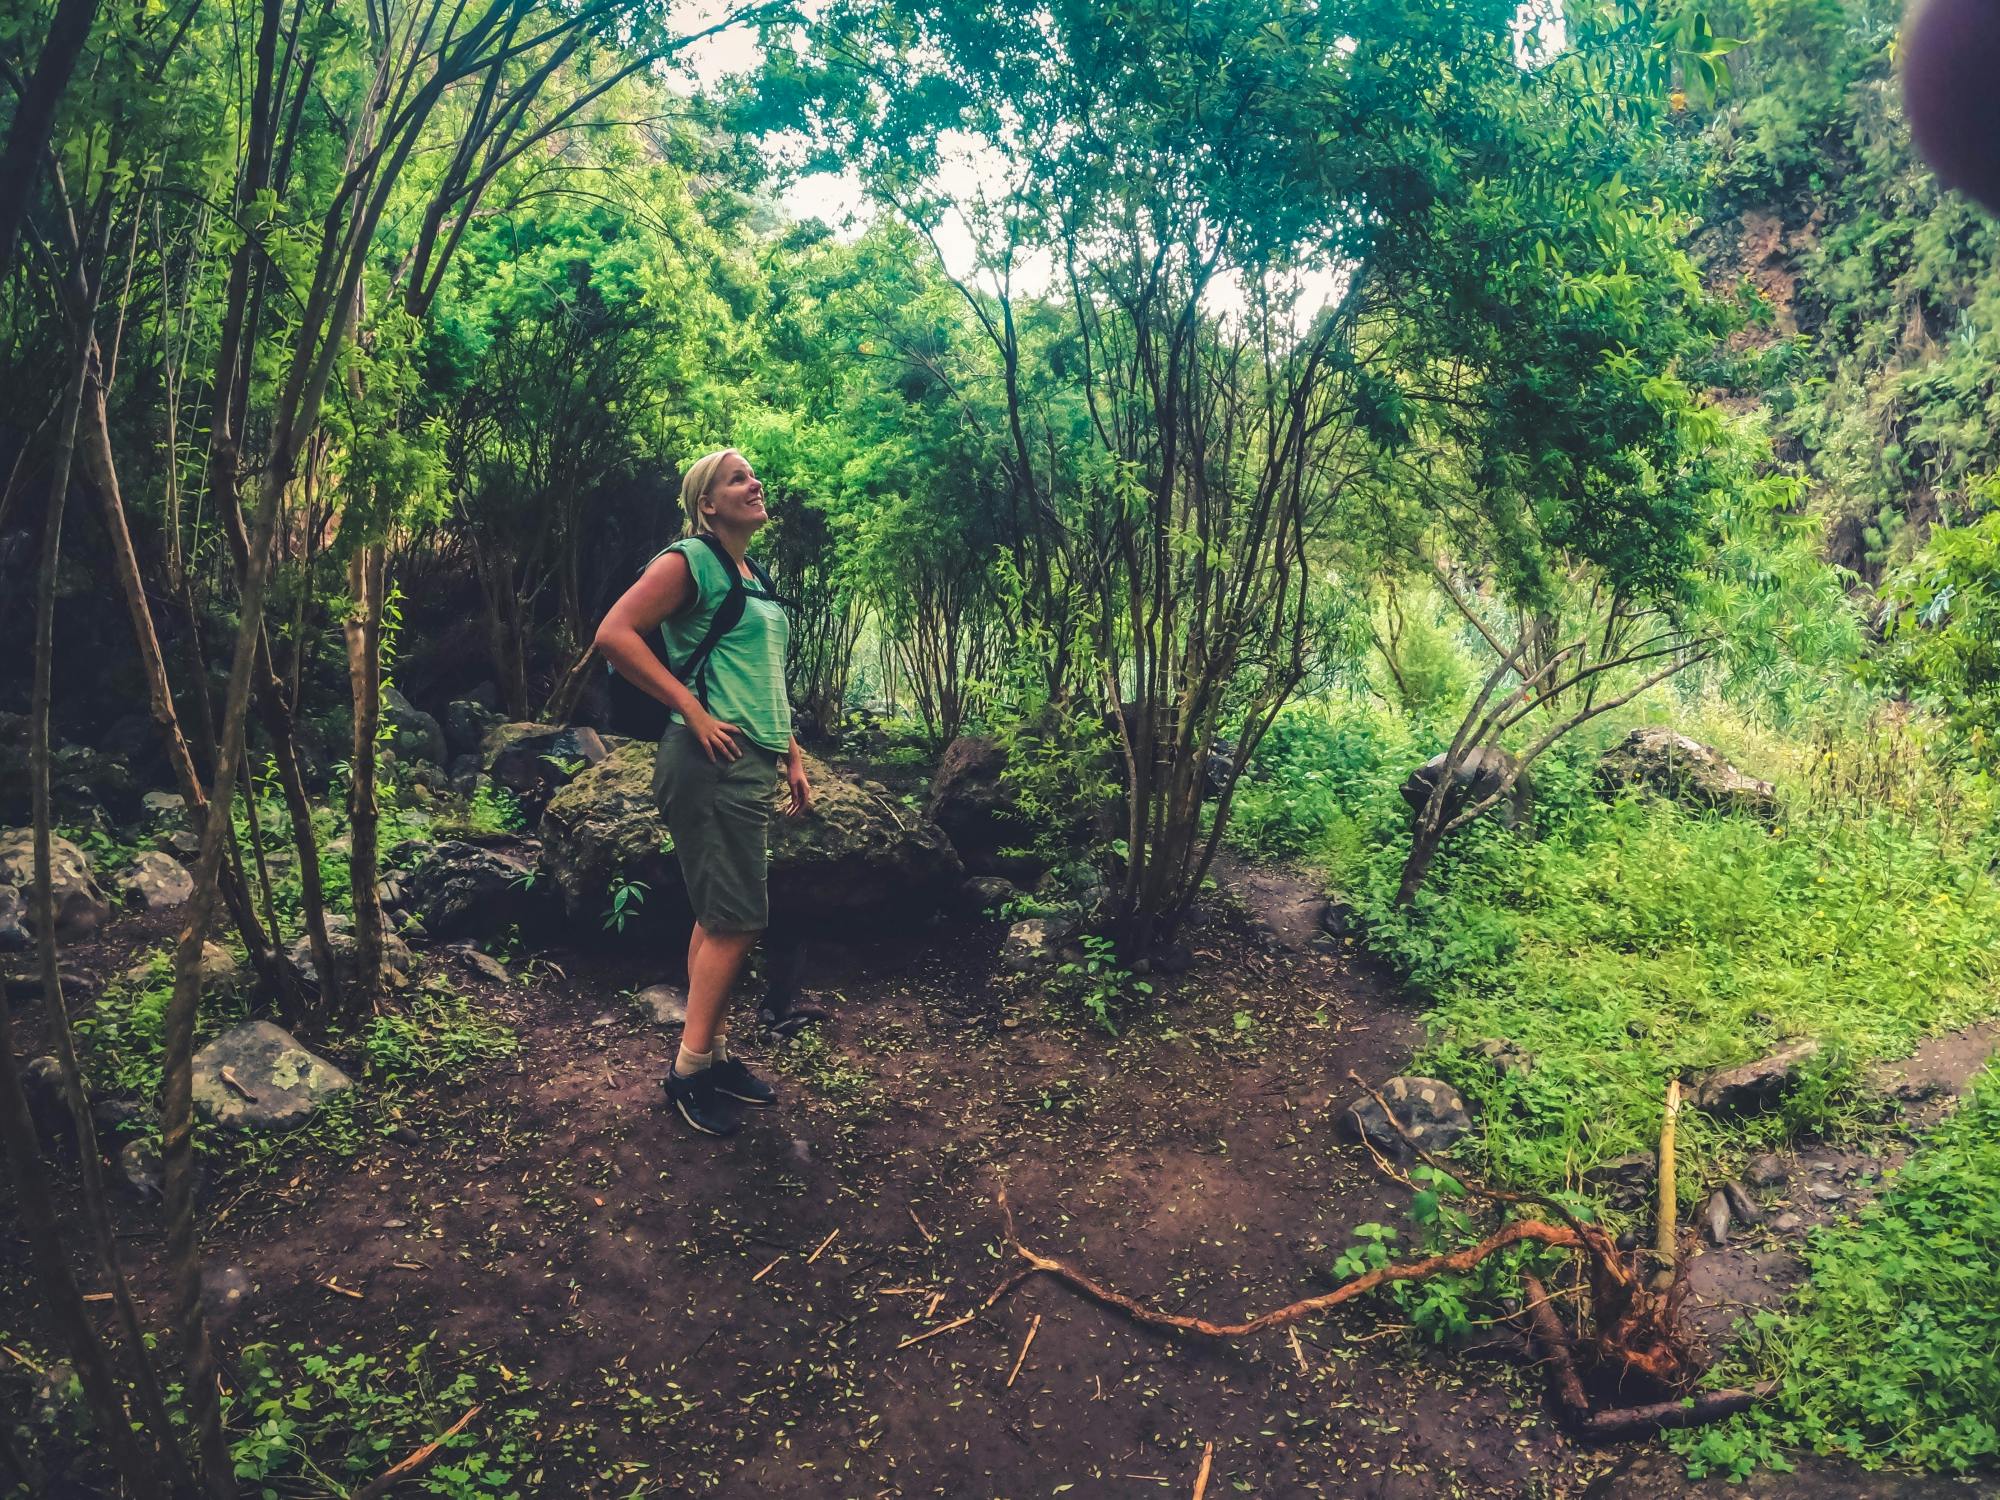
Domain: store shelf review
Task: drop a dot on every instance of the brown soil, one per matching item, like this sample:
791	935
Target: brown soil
552	1218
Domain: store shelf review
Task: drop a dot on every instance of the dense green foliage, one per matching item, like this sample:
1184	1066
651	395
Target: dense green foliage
1893	1356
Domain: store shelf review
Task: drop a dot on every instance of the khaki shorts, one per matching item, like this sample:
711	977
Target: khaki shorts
719	813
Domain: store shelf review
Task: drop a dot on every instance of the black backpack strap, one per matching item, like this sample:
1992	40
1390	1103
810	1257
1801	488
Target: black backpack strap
694	670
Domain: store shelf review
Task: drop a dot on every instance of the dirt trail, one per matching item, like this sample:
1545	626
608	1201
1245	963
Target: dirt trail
663	1291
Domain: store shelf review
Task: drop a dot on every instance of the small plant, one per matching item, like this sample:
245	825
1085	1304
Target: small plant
1099	983
567	765
627	896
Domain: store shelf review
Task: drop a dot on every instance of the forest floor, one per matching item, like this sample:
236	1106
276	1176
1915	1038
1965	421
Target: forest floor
737	1317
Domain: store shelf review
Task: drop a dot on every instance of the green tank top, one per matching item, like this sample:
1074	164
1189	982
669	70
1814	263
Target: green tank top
745	675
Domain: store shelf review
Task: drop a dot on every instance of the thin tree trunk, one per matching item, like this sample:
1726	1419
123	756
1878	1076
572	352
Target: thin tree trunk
35	118
364	669
31	1188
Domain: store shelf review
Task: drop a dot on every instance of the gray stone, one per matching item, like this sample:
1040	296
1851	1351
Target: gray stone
413	734
1787	1222
1032	943
225	1292
1765	1171
1624	1181
156	881
1749	1088
1508	1058
465	727
165	808
469	891
14	934
1826	1192
223	974
80	906
1430	1111
397	959
1684	771
181	843
257	1077
1741	1204
533	760
983	895
1480	775
667	1002
1715	1218
139	1168
481	963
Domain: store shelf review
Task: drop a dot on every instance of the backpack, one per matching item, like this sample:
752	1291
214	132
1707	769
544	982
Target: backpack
637	712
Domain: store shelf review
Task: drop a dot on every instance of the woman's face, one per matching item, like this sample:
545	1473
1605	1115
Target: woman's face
735	499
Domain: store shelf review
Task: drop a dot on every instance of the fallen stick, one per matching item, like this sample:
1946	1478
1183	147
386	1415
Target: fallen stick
931	1333
1522	1231
346	1291
929	1238
1033	1329
822	1247
769	1269
1706	1406
1201	1474
416	1461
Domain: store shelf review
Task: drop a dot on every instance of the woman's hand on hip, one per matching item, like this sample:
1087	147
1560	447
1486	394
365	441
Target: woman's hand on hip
717	737
801	789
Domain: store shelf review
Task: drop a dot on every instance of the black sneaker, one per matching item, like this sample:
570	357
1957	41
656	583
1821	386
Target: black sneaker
700	1102
730	1077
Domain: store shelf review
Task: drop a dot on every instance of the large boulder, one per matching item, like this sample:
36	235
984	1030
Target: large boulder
857	858
1431	1113
257	1077
80	906
975	807
413	734
461	890
156	881
1479	776
533	761
396	955
466	725
1752	1087
79	777
1687	772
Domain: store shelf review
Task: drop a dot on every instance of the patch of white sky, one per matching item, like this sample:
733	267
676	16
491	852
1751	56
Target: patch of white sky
976	176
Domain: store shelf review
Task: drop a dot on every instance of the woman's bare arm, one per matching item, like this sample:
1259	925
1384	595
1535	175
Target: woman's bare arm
663	590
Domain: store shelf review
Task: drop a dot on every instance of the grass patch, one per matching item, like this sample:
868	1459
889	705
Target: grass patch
1621	944
1891	1353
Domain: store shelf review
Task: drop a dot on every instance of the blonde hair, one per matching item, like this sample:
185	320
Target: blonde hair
694	487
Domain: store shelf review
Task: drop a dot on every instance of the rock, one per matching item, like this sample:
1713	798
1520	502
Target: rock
1032	943
79	776
667	1002
534	760
1430	1111
396	956
181	843
272	1082
481	963
465	726
42	1084
983	895
465	775
1478	777
164	809
413	734
1339	920
1507	1057
1741	1204
1624	1181
1171	958
1826	1192
80	906
139	1168
14	934
1715	1218
119	1117
855	860
980	811
1787	1222
225	1292
1765	1171
223	975
156	881
1686	772
1751	1087
468	891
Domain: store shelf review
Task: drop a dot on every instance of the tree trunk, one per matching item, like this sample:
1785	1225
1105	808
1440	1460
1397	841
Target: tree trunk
31	1187
35	118
364	672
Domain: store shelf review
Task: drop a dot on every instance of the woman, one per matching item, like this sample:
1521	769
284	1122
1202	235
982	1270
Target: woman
729	740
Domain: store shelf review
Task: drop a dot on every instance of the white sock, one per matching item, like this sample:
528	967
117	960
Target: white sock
690	1063
720	1047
